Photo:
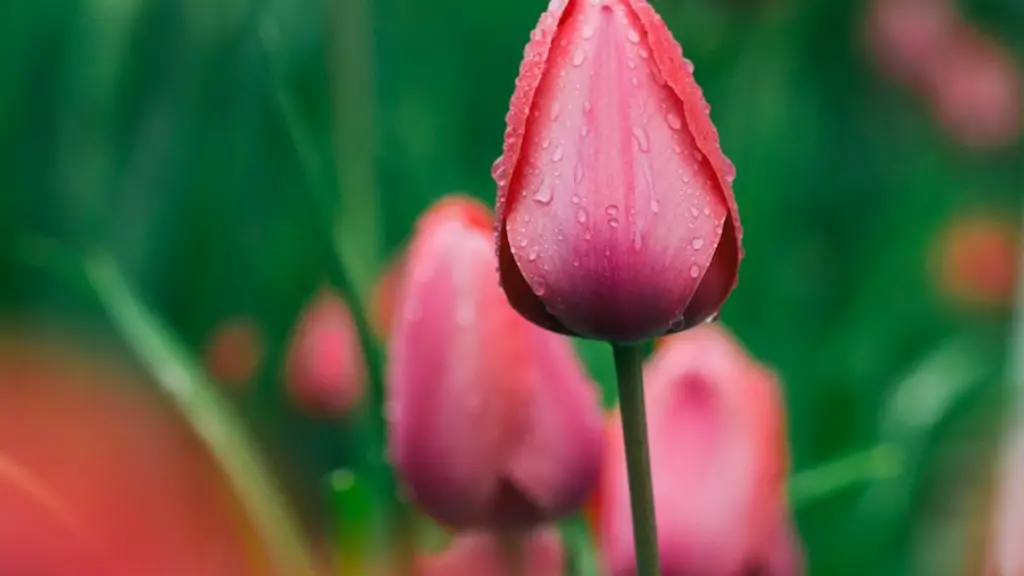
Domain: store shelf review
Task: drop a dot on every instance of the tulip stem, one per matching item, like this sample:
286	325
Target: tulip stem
628	359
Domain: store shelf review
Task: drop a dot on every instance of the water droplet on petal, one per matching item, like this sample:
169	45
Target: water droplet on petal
575	199
674	121
546	143
643	52
694	211
556	109
612	210
694	271
544	194
539	286
643	141
558	154
577	173
588	31
633	36
578	57
655	206
581	215
631	64
575	261
638	241
586	105
707	211
523	242
532	254
688	64
634	81
697	243
613	222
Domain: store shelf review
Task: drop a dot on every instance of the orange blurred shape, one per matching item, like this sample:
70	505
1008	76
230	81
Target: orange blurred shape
975	91
235	352
97	477
384	294
977	260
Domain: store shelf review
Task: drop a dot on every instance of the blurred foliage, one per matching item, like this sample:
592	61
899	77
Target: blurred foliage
154	130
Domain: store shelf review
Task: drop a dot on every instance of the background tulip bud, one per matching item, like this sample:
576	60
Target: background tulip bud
481	554
616	217
493	422
235	352
324	368
718	459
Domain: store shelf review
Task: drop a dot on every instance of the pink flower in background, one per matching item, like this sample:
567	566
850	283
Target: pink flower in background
98	478
718	457
325	372
907	38
493	422
615	213
481	554
976	91
383	307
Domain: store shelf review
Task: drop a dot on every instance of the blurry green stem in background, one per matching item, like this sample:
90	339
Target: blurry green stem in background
209	415
395	531
357	231
878	463
576	536
629	372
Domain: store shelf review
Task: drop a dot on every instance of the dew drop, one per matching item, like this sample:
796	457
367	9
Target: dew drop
638	241
688	64
523	242
577	173
674	122
655	206
634	81
581	215
556	110
558	154
532	254
613	222
578	57
677	324
643	52
633	36
539	286
697	243
575	261
643	141
546	143
694	211
612	210
588	31
631	64
707	211
586	106
544	194
694	271
575	199
586	235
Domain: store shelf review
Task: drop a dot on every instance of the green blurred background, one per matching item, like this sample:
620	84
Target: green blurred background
154	130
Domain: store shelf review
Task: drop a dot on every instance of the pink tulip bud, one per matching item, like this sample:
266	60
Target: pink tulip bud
976	91
481	554
616	218
324	369
718	458
493	421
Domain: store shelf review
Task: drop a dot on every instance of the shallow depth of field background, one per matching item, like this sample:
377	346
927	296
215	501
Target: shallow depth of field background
153	131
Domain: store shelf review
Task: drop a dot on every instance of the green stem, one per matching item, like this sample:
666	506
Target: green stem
628	359
879	463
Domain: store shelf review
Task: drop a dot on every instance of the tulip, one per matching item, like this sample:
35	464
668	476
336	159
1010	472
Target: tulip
325	372
977	260
976	92
783	555
493	422
615	212
98	478
382	309
718	460
481	554
908	37
234	352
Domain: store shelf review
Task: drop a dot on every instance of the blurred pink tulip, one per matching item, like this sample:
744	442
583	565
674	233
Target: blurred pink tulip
907	38
98	478
718	457
493	420
976	91
782	556
481	554
616	215
325	372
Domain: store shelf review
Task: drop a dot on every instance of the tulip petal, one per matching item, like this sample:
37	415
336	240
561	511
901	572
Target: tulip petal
613	192
559	459
450	303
